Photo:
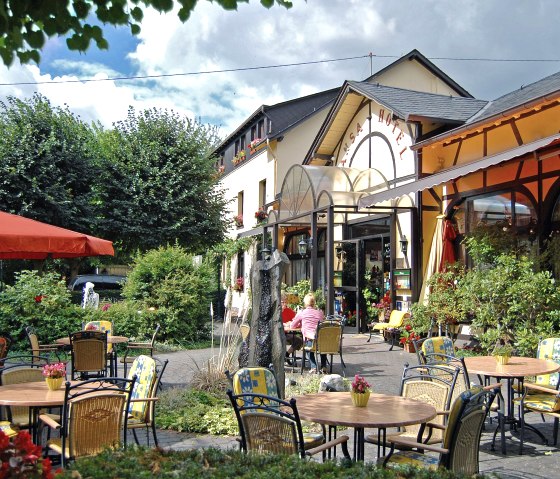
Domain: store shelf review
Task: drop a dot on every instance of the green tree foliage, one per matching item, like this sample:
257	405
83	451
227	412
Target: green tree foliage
157	183
46	172
180	290
25	25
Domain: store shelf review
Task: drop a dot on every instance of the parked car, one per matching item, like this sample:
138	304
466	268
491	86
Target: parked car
101	281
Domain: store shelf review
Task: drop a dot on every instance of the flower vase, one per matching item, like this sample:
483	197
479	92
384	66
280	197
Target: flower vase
360	399
409	347
54	383
502	359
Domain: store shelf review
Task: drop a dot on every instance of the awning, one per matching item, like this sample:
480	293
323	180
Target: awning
454	172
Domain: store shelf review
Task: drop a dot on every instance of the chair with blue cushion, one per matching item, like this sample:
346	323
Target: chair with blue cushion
459	449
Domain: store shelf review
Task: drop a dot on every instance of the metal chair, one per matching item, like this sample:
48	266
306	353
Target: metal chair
141	412
328	341
89	354
268	424
133	349
396	321
459	448
93	418
38	349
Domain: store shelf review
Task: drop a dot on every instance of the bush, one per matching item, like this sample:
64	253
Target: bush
168	280
139	463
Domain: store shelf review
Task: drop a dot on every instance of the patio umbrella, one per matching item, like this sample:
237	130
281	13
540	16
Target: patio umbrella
434	260
448	250
23	238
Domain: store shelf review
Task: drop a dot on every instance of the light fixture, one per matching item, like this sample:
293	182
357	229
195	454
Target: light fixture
305	245
265	253
532	230
404	245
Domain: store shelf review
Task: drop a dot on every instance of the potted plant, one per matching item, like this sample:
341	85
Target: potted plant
261	215
238	285
238	221
54	375
407	337
360	392
502	352
253	145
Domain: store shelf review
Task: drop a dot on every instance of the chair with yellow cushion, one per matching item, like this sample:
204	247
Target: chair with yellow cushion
396	320
459	448
6	428
542	396
148	372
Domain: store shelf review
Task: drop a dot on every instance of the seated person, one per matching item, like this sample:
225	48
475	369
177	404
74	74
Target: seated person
294	341
308	319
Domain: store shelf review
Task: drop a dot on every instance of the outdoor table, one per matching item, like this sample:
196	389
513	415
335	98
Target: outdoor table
294	332
516	369
381	412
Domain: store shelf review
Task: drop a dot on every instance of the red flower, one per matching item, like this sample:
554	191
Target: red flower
39	298
408	327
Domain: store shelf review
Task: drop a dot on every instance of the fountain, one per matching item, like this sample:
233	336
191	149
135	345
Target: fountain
266	343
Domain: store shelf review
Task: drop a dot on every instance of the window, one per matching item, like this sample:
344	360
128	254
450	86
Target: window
254	132
240	203
236	147
262	193
243	142
260	129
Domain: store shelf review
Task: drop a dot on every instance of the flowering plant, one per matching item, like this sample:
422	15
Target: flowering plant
254	144
55	370
39	298
238	221
408	335
238	285
20	458
360	385
239	157
261	215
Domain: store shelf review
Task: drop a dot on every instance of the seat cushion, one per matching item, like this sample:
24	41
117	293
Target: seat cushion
542	402
413	458
312	439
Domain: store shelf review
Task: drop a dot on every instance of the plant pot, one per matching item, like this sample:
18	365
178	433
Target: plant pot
360	399
501	359
409	347
54	383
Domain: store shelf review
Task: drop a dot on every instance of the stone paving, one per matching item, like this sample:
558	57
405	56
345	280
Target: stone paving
382	368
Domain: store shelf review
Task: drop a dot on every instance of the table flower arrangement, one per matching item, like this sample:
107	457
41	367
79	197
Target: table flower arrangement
20	458
54	375
360	392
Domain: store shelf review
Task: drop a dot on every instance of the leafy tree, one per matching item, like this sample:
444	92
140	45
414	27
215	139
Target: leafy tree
46	168
26	24
158	184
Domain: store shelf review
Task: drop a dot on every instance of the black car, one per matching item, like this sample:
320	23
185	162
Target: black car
101	281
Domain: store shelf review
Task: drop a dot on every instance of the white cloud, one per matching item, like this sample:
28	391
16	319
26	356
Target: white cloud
215	39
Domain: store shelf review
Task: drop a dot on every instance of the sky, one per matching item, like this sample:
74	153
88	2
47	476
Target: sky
448	32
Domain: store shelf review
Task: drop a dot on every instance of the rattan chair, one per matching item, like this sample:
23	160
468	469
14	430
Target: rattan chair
459	448
93	418
5	343
328	341
268	424
543	395
141	413
17	370
106	327
431	384
135	349
89	354
38	349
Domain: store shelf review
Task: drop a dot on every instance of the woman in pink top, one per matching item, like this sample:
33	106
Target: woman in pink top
308	319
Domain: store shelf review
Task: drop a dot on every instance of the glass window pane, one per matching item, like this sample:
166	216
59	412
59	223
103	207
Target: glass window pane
524	210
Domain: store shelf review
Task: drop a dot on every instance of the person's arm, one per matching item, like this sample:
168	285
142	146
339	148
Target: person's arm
296	322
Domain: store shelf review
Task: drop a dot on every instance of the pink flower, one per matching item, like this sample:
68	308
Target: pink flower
55	370
360	385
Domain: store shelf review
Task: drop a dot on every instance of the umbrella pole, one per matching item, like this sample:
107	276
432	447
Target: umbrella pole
1	275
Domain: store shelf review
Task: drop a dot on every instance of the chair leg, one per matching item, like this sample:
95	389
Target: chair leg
555	431
135	437
154	433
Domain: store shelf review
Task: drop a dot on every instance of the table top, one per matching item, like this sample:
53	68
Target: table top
110	339
382	410
517	367
31	394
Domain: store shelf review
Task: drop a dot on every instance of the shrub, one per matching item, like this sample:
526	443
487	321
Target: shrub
139	463
180	290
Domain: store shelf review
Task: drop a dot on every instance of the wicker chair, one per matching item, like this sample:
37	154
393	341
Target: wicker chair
134	349
38	349
141	412
106	327
395	322
543	395
268	424
431	384
328	341
5	343
460	445
21	369
89	354
93	417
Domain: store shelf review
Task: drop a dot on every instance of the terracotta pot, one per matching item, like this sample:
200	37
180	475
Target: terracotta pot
409	348
359	399
54	383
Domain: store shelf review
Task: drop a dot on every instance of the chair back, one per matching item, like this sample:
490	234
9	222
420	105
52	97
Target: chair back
5	342
33	340
89	353
156	331
464	427
268	424
328	338
431	384
451	363
104	326
549	349
148	372
438	344
256	380
93	416
396	319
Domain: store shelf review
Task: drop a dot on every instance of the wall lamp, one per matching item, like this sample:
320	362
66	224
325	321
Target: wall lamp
265	253
404	245
532	230
305	245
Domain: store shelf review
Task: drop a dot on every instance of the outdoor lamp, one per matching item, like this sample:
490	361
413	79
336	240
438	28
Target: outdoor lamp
532	232
404	245
265	252
305	245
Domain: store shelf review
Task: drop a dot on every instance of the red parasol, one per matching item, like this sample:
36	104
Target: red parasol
23	238
448	253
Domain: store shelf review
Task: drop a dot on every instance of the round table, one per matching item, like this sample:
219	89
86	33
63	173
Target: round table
110	339
381	412
516	369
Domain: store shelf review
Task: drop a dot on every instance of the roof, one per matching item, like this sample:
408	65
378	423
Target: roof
410	103
416	55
